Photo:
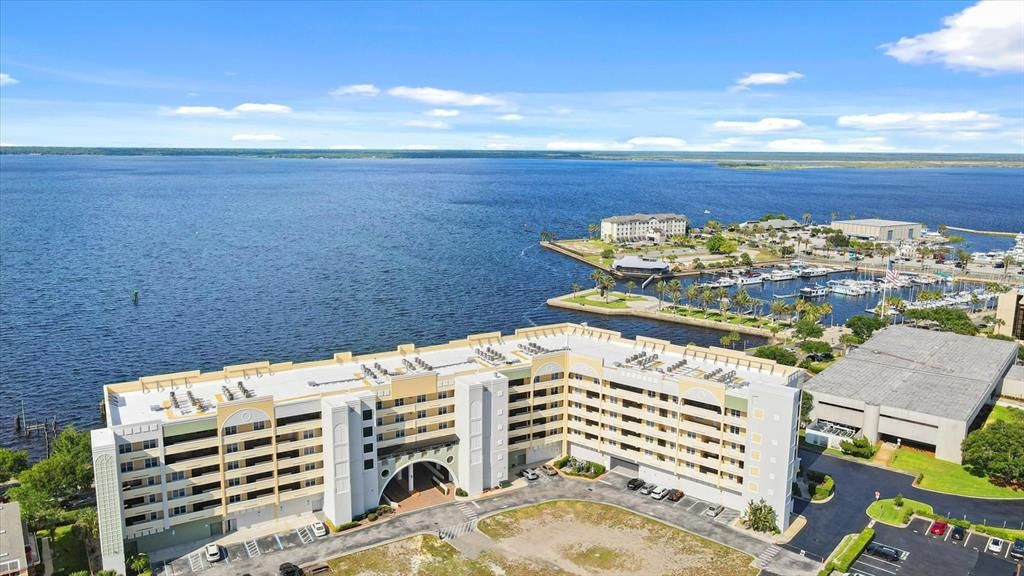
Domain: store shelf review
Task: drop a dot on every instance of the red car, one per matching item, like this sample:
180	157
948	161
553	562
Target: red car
939	528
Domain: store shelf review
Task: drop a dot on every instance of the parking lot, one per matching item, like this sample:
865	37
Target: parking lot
688	504
925	554
196	561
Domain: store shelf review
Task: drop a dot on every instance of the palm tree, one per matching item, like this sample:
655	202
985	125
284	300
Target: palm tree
575	288
139	563
592	229
692	292
1007	262
607	285
742	299
807	217
706	296
675	287
596	276
660	289
778	308
630	285
729	339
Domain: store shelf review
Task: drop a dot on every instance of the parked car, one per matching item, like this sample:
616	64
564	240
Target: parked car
1017	550
635	484
319	530
939	527
647	489
529	474
958	533
714	510
883	552
995	545
675	495
289	569
549	470
659	493
212	553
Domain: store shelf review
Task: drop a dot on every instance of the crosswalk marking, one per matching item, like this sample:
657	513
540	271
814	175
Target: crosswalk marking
467	510
766	556
252	548
195	562
304	534
452	532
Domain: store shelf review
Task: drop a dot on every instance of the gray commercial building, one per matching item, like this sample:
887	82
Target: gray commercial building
917	386
879	230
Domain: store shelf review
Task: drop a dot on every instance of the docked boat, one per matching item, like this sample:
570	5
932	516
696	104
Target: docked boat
724	282
815	291
748	279
782	275
846	288
814	272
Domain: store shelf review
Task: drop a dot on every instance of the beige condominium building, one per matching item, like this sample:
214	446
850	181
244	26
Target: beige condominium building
185	457
643	227
879	230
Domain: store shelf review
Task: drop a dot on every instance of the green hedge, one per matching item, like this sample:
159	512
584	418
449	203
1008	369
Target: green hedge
561	462
824	489
346	526
843	561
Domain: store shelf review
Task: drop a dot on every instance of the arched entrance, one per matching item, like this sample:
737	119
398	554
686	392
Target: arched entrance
419	484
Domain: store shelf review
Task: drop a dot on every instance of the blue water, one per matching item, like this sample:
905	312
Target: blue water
246	259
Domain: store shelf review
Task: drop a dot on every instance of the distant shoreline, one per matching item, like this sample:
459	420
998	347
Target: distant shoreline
730	160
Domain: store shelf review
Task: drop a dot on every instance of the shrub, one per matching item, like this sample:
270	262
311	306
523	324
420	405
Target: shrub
347	526
561	462
597	469
383	509
860	447
461	493
372	516
776	353
760	517
898	500
815	476
504	484
824	489
843	561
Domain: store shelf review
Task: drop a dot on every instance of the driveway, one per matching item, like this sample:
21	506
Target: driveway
855	489
456	518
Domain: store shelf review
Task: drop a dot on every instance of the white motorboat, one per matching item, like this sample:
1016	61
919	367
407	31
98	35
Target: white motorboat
815	291
814	272
845	288
782	275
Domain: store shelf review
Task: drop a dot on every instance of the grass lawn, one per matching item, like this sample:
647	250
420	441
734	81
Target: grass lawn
943	476
616	300
417	554
717	316
1004	414
885	511
68	551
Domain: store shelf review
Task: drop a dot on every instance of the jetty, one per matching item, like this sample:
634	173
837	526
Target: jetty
985	232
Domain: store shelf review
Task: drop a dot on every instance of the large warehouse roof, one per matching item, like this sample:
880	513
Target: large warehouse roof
874	222
938	373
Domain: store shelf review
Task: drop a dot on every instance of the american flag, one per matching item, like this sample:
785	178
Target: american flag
890	273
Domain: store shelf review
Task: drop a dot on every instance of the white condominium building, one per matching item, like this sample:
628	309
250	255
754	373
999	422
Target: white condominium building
185	457
643	227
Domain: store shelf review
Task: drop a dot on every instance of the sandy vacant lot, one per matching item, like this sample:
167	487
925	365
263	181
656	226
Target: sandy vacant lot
555	539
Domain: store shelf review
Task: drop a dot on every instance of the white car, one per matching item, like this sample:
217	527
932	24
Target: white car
212	553
319	530
529	474
659	493
995	545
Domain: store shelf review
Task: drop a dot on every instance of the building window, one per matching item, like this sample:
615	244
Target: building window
400	434
308	450
367	414
234	498
262	424
309	483
234	482
421	398
152	462
233	465
309	466
153	516
229	430
442	410
368	432
442	426
367	464
231	448
421	413
151	481
367	448
307	434
421	429
148	444
126	467
442	395
152	498
380	437
179	493
399	401
178	510
124	447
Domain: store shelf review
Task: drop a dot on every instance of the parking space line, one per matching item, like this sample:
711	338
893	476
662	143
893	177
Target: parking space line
695	502
280	545
873	567
473	502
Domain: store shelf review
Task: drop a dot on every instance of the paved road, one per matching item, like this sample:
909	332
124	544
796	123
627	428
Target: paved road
611	491
855	490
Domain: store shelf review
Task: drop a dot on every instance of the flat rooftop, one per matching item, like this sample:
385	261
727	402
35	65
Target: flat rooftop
875	222
197	394
12	539
643	217
937	373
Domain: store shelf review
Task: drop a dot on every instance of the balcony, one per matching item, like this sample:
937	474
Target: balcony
298	427
191	445
245	488
246	504
699	428
139	474
302	492
190	516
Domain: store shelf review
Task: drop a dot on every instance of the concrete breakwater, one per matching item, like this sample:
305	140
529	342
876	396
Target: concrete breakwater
562	302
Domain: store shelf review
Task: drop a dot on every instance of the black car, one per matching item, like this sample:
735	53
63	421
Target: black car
289	569
1017	550
958	533
635	484
883	552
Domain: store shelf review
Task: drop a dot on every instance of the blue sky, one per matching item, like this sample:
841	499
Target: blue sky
836	76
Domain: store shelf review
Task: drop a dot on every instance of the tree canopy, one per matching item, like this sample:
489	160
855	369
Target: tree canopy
948	319
776	353
996	451
12	463
718	244
864	326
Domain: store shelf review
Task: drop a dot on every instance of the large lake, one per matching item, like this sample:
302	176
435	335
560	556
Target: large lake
243	259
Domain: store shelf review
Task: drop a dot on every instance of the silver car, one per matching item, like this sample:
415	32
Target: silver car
714	510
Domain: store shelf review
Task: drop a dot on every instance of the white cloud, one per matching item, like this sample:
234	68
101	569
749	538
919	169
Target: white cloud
348	147
199	111
269	108
7	80
435	124
869	144
511	117
418	147
356	90
656	142
256	138
968	120
987	38
442	113
442	97
762	126
763	78
6	144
